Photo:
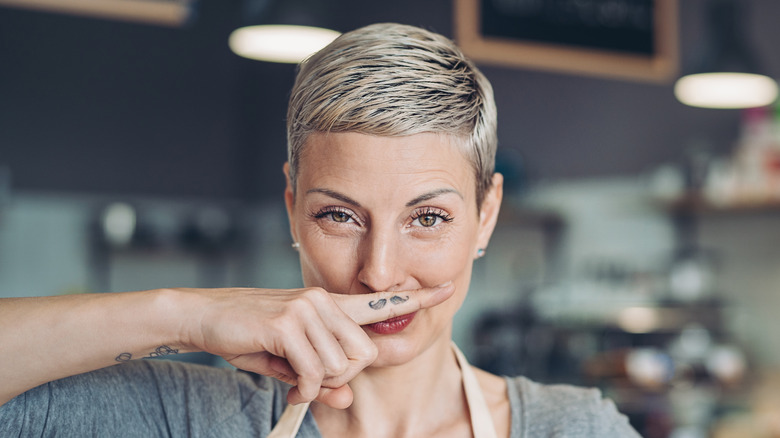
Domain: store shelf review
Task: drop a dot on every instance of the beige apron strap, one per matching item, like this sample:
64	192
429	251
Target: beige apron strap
481	420
290	421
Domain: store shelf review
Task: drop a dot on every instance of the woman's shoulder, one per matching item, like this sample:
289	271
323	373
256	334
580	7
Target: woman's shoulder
537	395
563	411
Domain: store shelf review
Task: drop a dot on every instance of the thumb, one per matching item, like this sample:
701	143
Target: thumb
337	398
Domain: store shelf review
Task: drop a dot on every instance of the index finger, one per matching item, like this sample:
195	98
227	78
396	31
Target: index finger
380	306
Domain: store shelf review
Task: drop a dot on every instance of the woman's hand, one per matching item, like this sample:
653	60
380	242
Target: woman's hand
308	337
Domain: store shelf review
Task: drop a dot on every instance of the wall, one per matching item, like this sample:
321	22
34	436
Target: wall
104	107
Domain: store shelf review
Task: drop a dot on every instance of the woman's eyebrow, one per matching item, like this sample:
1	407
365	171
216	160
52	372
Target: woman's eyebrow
336	195
432	194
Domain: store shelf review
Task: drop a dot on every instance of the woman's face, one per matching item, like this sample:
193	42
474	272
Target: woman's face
390	214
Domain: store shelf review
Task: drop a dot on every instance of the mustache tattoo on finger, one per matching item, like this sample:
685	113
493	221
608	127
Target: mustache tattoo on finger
395	299
398	300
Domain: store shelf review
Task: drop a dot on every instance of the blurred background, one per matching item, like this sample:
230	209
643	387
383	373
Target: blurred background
638	249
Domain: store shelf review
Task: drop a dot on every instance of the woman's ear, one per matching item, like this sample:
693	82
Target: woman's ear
289	200
488	213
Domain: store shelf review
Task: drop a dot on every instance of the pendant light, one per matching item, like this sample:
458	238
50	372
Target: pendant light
175	13
727	74
287	31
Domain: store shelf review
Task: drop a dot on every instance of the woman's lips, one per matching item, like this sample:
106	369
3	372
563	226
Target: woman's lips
392	325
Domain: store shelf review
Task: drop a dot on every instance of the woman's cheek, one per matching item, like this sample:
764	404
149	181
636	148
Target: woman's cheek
327	262
439	262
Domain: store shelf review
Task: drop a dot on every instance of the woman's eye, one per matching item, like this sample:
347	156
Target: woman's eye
428	220
339	216
335	215
430	217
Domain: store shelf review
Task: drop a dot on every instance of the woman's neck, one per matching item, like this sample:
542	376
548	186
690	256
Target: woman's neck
423	397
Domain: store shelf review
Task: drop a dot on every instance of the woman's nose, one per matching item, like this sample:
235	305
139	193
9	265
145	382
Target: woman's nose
380	261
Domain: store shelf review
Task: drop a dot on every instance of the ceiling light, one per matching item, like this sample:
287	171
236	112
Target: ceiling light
158	12
727	73
726	90
279	43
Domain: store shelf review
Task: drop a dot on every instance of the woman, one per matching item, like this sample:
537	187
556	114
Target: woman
391	195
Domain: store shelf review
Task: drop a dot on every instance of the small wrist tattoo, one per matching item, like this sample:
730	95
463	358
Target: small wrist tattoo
123	357
163	350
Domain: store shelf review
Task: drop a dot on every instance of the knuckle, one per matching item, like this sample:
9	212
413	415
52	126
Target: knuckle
374	353
300	304
299	309
340	367
312	373
367	354
313	297
315	291
316	295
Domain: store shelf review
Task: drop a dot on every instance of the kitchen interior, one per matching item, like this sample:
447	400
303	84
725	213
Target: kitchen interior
638	248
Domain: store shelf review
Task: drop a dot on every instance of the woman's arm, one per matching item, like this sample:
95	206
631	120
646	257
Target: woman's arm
48	338
306	337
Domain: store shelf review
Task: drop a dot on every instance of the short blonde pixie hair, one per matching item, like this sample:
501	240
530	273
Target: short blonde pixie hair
395	80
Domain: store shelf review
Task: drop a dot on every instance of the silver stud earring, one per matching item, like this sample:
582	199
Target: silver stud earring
480	252
296	245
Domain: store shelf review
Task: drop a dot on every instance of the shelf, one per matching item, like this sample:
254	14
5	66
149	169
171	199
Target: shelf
696	203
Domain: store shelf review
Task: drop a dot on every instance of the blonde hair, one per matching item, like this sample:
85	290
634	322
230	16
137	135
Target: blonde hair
395	80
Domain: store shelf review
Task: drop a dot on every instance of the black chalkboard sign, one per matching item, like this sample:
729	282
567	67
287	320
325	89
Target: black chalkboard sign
619	38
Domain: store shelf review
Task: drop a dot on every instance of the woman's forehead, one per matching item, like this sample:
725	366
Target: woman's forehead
365	161
325	151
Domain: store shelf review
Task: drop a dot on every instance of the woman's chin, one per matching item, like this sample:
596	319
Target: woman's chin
400	347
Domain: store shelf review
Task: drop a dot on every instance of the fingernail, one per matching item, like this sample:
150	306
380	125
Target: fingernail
443	285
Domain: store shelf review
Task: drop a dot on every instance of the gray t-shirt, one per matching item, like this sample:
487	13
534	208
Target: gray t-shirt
152	398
